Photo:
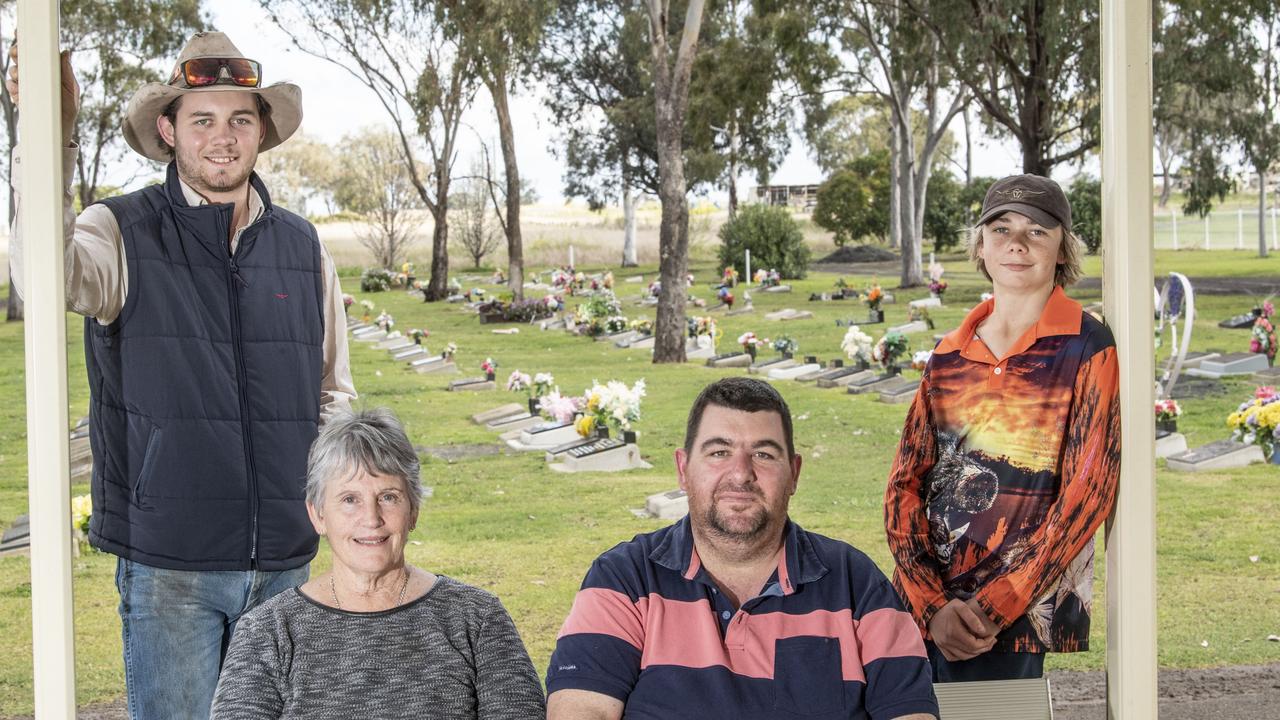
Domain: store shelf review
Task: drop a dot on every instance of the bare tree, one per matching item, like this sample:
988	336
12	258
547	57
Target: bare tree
373	181
422	76
478	234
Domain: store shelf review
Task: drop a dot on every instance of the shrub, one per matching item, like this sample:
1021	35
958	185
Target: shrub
945	212
1085	196
772	236
375	280
854	202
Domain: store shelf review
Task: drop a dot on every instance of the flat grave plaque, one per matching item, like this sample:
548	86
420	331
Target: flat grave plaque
488	416
911	327
353	327
472	385
1270	376
1218	455
373	337
780	314
435	366
643	343
607	455
875	383
849	375
778	289
555	452
368	330
413	352
1232	364
627	342
1238	322
615	338
898	394
801	315
1170	444
593	448
395	345
775	364
726	360
635	279
557	324
670	505
741	311
792	373
829	373
17	537
514	422
926	302
1193	359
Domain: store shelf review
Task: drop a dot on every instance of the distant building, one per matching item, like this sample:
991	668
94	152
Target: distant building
800	197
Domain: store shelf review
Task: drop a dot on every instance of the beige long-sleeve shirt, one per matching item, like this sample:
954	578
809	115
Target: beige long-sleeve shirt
97	275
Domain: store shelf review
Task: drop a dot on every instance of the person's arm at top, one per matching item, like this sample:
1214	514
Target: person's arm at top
583	705
93	249
337	389
1090	474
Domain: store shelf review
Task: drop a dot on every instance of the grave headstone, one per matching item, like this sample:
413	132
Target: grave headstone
780	314
643	343
378	335
1218	455
1231	364
897	394
791	373
929	302
624	336
507	410
1193	359
557	453
556	324
607	455
843	378
748	308
874	383
778	289
353	327
513	422
1170	443
1270	376
368	330
432	365
801	315
17	537
912	327
777	363
627	342
828	374
635	279
409	353
1238	322
670	505
544	435
699	353
394	345
727	360
472	385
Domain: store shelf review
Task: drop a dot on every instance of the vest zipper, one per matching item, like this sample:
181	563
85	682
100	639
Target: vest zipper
242	386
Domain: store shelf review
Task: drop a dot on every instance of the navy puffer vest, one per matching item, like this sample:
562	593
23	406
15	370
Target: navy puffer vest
205	392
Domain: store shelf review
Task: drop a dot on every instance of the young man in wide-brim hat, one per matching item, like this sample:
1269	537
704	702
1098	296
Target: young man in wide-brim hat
215	346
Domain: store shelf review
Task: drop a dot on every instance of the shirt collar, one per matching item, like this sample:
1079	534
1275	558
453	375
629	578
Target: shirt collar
798	565
1061	316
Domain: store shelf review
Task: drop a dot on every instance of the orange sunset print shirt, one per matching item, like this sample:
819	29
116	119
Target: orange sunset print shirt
1005	471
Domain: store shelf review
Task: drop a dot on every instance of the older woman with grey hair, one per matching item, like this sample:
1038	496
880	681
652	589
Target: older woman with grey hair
375	637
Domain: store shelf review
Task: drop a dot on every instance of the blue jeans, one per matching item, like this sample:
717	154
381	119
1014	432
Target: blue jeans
987	666
176	626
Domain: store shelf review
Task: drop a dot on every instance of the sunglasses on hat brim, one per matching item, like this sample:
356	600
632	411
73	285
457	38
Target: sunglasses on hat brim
202	72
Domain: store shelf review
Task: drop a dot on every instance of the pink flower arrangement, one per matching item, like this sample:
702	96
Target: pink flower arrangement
1167	410
560	408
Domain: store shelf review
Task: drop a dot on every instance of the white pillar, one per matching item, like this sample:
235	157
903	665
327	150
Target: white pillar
1239	228
1173	214
747	279
1127	291
49	490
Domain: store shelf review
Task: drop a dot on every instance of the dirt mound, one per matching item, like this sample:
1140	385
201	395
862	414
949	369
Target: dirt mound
859	254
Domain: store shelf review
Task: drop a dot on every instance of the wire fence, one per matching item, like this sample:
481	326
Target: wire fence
1219	230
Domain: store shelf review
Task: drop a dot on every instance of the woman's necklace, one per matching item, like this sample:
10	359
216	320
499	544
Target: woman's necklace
333	589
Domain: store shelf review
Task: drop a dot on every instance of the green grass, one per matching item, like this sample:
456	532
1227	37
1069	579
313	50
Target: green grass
510	525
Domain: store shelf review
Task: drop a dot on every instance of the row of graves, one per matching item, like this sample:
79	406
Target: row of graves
1255	424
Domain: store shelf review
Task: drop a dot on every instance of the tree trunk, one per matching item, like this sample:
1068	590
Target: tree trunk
628	226
895	194
506	135
734	142
1262	212
673	239
911	274
438	286
968	149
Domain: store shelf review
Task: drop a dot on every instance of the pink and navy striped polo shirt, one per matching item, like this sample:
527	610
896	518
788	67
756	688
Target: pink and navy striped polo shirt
827	637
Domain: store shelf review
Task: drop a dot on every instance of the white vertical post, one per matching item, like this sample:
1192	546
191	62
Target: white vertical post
1239	228
748	255
49	489
1206	233
1173	214
1127	290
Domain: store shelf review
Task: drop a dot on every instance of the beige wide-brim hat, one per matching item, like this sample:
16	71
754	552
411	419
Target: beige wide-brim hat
150	100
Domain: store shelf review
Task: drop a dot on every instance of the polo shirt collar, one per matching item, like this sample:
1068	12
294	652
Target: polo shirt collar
800	563
1061	316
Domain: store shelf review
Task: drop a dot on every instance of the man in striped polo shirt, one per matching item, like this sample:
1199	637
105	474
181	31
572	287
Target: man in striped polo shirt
736	612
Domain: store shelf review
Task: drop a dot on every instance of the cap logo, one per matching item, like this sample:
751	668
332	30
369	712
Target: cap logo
1019	193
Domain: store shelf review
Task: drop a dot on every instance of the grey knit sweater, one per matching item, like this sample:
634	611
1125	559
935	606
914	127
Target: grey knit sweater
452	654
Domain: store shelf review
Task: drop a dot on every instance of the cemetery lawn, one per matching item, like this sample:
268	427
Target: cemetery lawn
508	524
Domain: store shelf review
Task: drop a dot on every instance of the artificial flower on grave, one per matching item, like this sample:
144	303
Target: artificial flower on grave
726	296
874	296
751	343
1257	420
554	303
585	425
785	344
774	279
655	288
1167	410
921	314
938	287
385	321
489	366
579	279
607	280
920	359
701	325
614	404
347	302
889	348
518	381
857	344
688	280
759	276
81	511
367	306
417	335
615	324
644	326
450	349
1263	340
560	408
455	287
730	276
542	384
